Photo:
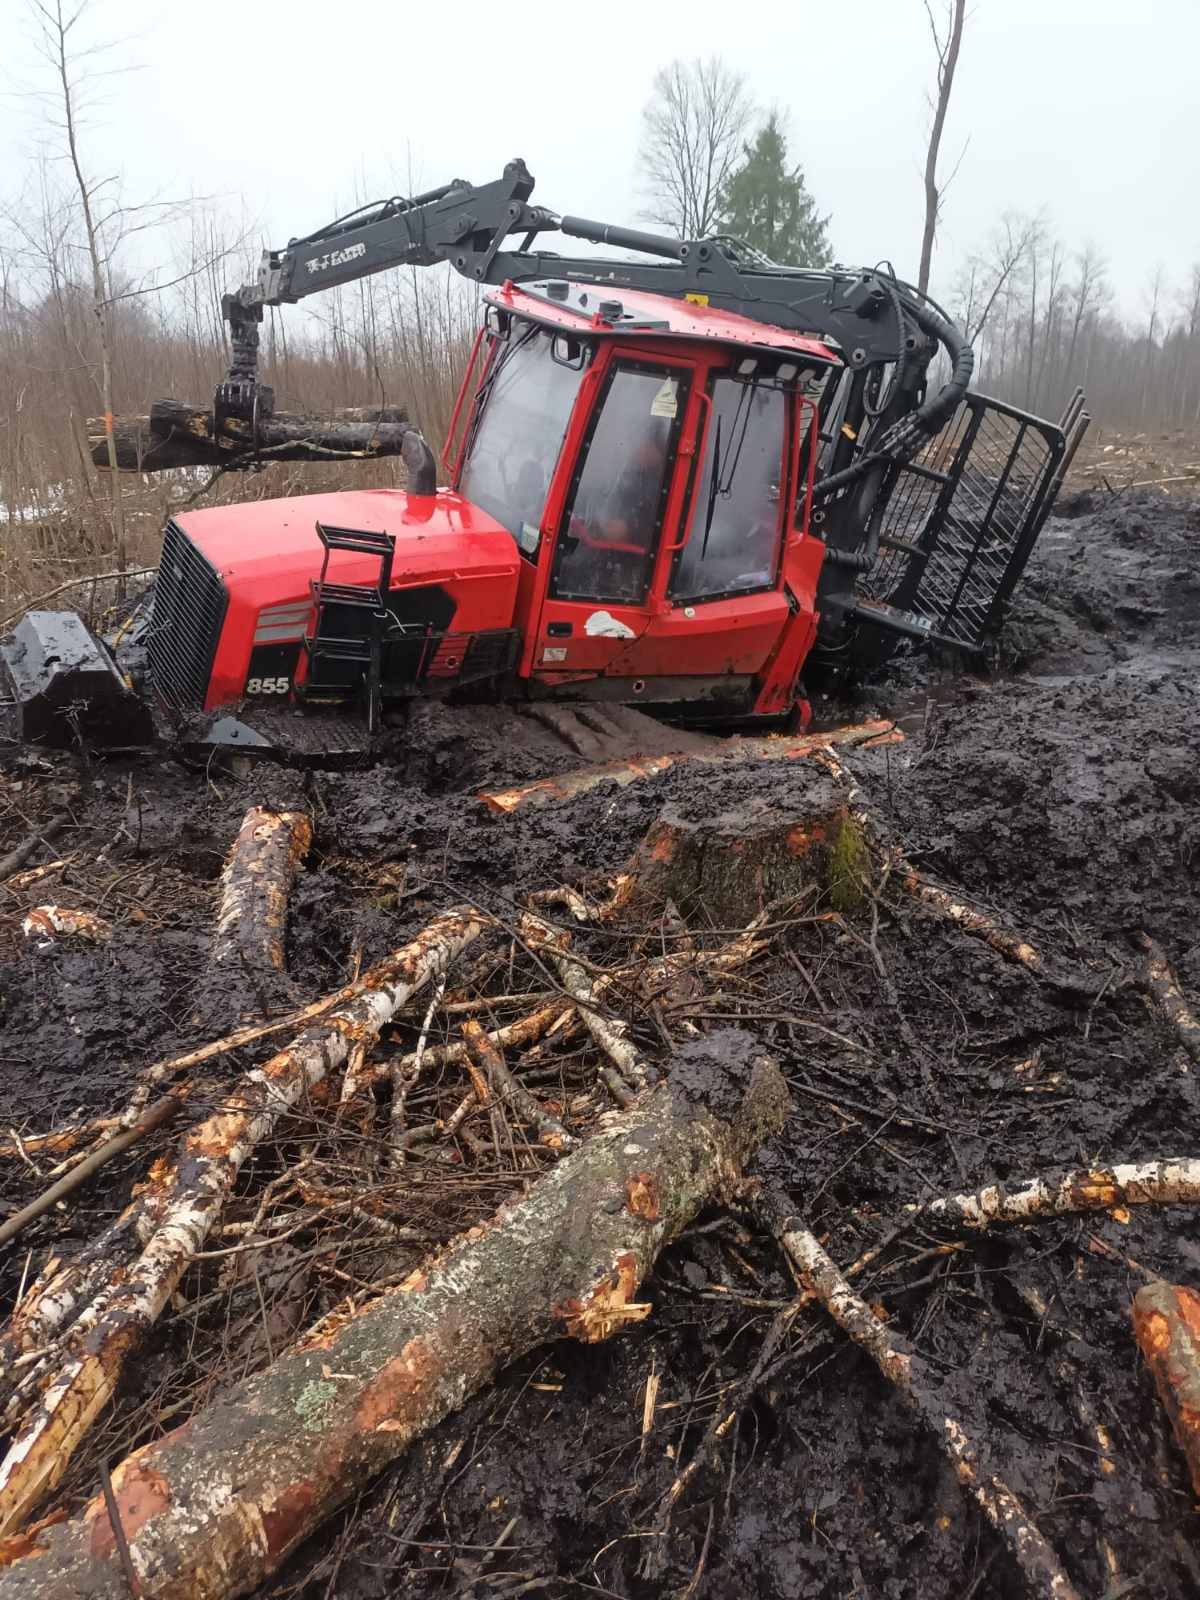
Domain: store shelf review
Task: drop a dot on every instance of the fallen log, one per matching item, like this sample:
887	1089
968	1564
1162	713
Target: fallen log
1163	988
179	435
1166	1324
186	1199
214	1508
551	791
255	888
922	1386
1174	1181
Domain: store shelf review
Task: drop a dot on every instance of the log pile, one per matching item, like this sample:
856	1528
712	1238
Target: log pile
178	435
572	1057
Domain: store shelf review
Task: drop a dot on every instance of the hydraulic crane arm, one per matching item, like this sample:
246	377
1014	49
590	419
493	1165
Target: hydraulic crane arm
875	318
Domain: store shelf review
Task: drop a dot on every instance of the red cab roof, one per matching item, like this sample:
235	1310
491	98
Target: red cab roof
642	314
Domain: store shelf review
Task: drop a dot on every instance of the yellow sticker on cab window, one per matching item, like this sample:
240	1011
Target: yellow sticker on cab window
696	299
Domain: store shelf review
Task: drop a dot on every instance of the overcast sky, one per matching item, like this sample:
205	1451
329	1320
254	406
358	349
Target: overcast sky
1090	108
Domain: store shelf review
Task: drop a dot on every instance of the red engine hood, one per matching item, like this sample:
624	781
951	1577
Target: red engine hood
267	551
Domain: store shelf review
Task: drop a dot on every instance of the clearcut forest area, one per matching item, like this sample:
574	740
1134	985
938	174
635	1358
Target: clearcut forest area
923	1056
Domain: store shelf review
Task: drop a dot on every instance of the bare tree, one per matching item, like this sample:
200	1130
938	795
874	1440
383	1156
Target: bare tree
947	45
1154	294
693	126
1052	324
988	274
1086	294
55	27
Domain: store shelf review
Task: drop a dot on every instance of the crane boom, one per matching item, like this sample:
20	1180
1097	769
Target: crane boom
875	319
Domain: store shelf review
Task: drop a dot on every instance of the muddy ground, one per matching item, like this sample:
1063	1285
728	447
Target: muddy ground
1063	792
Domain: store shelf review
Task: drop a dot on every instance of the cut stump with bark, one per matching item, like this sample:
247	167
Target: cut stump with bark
724	869
215	1507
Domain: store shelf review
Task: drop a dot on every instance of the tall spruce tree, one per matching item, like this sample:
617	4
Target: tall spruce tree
766	203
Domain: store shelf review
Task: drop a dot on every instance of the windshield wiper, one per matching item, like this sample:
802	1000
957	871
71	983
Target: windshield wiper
714	485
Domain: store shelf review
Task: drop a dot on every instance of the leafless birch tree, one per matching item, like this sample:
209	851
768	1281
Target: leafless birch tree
693	127
947	44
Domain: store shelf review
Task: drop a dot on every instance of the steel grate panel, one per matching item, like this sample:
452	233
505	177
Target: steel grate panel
972	531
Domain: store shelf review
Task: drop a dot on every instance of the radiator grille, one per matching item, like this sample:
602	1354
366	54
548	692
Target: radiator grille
185	624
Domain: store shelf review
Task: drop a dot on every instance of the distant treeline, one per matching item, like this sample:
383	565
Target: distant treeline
1040	314
1042	320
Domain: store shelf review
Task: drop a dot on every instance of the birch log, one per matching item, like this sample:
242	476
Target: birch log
255	887
188	1198
179	435
1175	1181
553	791
214	1508
1166	1322
921	1386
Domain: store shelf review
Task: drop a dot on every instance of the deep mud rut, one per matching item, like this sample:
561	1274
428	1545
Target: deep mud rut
1064	793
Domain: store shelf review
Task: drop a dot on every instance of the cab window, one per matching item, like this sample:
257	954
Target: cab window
606	551
520	423
733	545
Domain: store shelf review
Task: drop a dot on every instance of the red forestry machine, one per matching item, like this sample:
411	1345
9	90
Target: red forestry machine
673	482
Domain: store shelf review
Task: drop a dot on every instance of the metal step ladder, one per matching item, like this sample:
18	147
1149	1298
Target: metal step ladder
363	649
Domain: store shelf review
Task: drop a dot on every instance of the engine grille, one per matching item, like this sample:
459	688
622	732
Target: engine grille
185	624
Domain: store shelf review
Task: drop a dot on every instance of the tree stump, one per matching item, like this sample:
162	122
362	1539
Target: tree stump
722	870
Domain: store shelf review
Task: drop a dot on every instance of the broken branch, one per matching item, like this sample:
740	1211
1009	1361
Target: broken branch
1163	988
188	1199
156	1117
488	1058
903	1367
215	1507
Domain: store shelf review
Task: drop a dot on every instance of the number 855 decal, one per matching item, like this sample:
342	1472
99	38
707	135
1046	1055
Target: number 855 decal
268	685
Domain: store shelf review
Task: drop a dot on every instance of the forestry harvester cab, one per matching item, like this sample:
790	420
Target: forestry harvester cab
670	481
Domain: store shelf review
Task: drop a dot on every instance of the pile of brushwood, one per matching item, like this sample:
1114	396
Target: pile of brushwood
751	1175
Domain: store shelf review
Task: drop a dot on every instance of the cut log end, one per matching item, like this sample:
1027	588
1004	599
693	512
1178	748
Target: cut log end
1166	1322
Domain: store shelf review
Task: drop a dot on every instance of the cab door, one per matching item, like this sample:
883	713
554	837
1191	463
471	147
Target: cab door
723	609
623	499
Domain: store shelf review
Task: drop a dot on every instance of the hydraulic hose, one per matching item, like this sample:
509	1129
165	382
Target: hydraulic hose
904	436
930	416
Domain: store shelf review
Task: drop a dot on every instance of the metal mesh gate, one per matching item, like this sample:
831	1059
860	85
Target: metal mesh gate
962	517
